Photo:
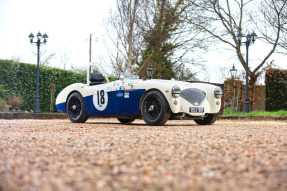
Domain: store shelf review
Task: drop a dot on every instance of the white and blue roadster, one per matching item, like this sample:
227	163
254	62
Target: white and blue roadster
130	98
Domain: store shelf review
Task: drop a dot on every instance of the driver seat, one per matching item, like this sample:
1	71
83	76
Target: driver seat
96	79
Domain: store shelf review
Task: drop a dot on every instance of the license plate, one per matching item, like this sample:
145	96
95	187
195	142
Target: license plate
196	110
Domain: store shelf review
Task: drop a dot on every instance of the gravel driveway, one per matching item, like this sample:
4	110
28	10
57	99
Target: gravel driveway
105	155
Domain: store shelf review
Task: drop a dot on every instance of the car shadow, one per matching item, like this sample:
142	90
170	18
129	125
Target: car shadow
115	123
141	124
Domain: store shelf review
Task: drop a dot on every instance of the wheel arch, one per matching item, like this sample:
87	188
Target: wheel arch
149	90
72	93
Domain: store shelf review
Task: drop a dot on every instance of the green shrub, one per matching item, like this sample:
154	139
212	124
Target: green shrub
276	89
3	105
3	92
228	111
15	101
257	113
20	79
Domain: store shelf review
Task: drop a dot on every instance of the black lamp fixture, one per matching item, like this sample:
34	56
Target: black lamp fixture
149	72
38	43
233	71
249	38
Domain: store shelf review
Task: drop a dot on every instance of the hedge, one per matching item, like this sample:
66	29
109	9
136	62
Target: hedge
276	89
20	79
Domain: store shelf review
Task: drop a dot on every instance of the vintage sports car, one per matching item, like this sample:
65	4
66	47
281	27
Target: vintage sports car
129	98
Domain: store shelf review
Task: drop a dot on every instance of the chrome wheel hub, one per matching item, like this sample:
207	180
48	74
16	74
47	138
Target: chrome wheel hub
74	107
151	108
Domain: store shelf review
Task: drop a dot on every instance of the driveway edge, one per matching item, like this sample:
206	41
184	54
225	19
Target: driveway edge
33	116
254	118
65	116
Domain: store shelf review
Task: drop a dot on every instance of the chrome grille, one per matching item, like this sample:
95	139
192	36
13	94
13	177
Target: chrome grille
194	96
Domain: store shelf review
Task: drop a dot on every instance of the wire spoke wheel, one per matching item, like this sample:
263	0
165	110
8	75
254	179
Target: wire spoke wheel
155	109
76	108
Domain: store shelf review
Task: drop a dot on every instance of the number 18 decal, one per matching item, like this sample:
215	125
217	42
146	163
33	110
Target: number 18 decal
100	99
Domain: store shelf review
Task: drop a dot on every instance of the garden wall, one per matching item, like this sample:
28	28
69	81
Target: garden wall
234	95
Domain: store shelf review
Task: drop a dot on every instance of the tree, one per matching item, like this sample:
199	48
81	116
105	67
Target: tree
117	63
79	69
16	58
167	38
272	22
223	19
126	39
64	57
45	57
184	74
151	32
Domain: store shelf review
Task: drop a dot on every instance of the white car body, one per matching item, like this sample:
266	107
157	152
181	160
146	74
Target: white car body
124	99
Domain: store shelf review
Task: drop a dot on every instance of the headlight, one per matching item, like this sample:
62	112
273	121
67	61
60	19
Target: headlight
176	91
218	92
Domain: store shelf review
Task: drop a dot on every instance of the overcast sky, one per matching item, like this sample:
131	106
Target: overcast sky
69	23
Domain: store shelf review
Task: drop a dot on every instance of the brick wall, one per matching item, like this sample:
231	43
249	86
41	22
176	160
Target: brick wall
259	96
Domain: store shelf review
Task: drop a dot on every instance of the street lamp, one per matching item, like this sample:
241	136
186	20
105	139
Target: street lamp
233	72
249	38
149	72
38	42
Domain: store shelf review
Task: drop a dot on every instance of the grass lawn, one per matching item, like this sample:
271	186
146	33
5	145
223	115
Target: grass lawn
230	112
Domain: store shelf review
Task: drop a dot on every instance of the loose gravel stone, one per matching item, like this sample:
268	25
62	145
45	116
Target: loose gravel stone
103	154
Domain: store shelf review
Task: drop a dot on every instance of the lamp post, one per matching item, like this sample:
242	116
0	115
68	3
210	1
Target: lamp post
233	72
149	72
249	38
38	43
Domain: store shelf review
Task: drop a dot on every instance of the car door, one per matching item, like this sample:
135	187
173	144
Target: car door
127	98
101	101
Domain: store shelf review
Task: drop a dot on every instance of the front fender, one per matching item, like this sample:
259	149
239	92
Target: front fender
64	94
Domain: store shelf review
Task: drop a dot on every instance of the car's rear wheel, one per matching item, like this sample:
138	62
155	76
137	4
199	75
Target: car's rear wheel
76	108
126	120
155	109
208	120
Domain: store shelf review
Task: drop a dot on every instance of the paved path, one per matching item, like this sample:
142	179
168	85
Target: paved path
105	155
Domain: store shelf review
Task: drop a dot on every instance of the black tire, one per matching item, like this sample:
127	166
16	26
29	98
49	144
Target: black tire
208	120
155	109
125	120
76	108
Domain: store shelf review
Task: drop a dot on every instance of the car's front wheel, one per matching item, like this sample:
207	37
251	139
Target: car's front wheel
126	120
155	109
76	108
208	120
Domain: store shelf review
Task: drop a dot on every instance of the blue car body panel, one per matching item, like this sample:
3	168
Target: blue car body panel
127	102
121	103
61	107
